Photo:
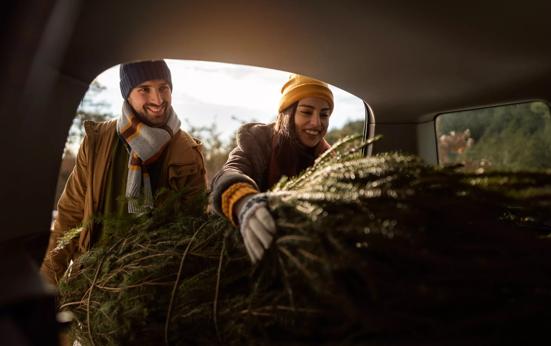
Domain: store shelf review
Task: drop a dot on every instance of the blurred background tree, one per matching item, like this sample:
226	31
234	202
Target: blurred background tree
90	108
349	128
511	137
215	150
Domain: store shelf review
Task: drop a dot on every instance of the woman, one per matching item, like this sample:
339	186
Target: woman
265	153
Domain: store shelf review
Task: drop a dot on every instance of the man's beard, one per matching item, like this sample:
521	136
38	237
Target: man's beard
142	115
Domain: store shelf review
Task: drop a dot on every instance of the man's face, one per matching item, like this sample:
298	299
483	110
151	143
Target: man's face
150	100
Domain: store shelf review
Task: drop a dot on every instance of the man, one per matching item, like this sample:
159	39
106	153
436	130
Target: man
122	163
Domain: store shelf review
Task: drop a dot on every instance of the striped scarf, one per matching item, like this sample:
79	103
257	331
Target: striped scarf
146	146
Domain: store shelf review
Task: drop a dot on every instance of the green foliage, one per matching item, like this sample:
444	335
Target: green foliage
382	249
514	137
215	151
89	109
120	291
350	128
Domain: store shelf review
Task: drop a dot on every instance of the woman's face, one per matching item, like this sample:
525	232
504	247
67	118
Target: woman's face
311	120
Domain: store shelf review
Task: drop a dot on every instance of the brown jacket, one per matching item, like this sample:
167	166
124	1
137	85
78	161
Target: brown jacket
249	162
183	166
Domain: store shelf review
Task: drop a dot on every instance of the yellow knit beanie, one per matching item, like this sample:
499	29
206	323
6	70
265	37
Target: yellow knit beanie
299	87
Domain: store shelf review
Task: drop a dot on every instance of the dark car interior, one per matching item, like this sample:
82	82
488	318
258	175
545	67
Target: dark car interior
410	61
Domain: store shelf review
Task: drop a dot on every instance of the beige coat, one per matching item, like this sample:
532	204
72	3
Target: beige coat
182	167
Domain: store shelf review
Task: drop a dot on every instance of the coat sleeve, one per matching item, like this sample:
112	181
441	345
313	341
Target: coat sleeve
246	164
70	211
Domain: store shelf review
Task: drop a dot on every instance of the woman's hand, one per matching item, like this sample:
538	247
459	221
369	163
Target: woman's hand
256	224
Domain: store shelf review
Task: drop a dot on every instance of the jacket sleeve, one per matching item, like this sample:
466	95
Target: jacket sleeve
246	165
70	211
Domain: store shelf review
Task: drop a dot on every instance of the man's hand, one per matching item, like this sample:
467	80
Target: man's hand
256	224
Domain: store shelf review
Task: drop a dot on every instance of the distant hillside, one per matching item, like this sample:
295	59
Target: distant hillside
352	127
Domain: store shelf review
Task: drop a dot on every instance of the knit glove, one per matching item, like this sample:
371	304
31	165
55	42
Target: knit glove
256	224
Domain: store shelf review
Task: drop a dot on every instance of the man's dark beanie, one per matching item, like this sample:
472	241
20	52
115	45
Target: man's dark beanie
133	74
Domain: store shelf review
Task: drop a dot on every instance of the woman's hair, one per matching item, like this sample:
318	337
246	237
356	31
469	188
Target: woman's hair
285	123
289	156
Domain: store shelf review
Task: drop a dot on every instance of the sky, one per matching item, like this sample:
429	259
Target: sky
207	93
